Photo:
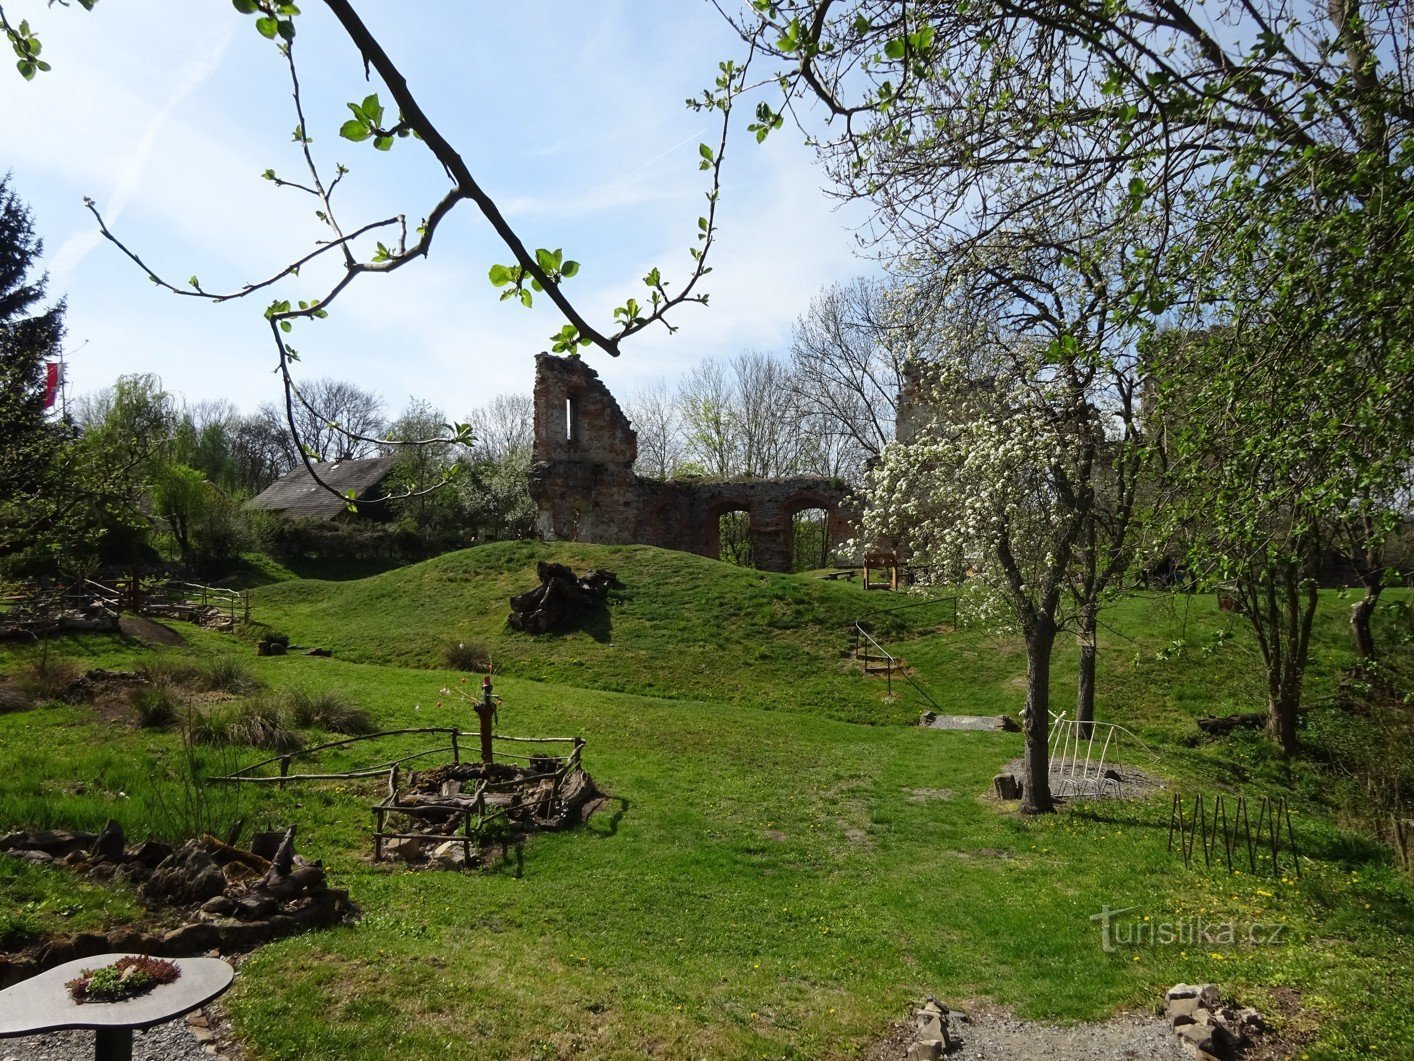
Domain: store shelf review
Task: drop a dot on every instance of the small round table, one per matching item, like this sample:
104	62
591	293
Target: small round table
43	1004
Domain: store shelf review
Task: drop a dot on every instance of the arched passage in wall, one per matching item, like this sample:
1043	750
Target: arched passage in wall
811	526
810	545
729	531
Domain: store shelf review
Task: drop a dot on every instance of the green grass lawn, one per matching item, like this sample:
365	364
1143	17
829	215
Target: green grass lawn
770	878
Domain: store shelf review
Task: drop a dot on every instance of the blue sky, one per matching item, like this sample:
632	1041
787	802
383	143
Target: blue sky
570	113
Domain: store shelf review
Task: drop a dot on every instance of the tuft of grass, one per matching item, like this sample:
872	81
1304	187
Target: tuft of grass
330	709
169	670
260	722
157	706
47	678
226	674
467	656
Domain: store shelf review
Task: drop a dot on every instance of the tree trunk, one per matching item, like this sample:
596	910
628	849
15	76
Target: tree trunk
1360	613
1036	794
1292	608
1085	688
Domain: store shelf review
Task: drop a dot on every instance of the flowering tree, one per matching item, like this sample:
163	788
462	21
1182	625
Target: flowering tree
1019	474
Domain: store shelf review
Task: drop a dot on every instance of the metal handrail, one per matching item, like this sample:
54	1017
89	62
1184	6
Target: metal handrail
861	633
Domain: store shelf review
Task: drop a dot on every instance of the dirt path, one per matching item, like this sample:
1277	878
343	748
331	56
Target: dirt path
149	632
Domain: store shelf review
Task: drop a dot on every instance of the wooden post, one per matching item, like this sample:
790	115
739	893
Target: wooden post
456	748
484	711
284	768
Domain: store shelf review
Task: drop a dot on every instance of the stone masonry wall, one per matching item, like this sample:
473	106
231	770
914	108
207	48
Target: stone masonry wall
583	482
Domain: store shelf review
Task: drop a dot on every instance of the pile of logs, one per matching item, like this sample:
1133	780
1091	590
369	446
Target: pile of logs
561	600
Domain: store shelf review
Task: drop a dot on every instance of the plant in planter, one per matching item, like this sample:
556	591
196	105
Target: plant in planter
126	978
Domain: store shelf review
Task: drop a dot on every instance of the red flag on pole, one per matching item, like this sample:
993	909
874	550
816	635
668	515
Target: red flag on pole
51	383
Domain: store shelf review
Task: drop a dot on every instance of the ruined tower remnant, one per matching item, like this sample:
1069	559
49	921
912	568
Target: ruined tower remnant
583	482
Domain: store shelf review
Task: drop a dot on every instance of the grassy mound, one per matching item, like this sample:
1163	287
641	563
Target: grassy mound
680	626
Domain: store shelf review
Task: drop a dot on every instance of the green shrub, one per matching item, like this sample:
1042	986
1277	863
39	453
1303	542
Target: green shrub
331	710
467	656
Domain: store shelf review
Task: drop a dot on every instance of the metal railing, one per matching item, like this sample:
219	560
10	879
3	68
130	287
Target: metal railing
862	643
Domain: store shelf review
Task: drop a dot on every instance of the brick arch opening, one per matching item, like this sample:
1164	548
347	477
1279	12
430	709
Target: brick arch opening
824	530
730	529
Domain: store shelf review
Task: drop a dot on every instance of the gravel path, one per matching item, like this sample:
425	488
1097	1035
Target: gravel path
995	1036
177	1040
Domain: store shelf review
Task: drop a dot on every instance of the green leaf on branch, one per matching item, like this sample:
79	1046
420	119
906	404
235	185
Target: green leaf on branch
245	7
268	26
354	130
500	275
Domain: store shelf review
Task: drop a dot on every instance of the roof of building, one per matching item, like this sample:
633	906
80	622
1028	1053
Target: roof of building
298	496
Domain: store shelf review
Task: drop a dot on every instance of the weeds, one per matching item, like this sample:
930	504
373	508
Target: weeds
226	674
44	679
260	722
156	706
331	710
467	656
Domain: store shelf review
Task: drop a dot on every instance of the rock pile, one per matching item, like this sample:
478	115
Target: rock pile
1208	1028
932	1036
230	898
561	600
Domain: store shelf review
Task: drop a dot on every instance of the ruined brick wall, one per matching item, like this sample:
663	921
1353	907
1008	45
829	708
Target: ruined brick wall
583	482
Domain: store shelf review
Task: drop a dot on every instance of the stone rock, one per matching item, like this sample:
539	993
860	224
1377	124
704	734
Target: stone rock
87	944
409	850
241	935
929	1025
309	878
1183	1010
1007	786
152	853
1210	996
103	871
265	844
219	906
1250	1021
127	940
256	907
1181	991
925	1050
283	925
324	652
195	938
1198	1036
284	857
56	953
110	843
13	970
34	858
187	875
451	854
52	842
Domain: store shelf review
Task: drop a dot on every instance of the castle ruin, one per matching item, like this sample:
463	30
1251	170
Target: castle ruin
583	482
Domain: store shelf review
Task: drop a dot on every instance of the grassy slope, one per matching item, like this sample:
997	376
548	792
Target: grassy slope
768	883
681	626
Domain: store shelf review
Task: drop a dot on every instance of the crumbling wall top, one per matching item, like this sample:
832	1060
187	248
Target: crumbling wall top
576	418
